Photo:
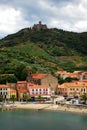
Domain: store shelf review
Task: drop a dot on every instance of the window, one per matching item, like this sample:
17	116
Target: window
39	89
43	92
36	92
43	89
36	89
46	89
32	89
84	89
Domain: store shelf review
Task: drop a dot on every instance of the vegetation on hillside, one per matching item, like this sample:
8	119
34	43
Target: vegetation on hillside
45	51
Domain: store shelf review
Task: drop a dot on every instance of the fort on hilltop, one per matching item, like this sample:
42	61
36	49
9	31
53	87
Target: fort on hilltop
39	26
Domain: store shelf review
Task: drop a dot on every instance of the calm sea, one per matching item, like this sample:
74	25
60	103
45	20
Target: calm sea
43	120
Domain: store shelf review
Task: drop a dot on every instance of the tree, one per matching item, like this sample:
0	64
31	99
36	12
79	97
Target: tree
39	98
60	80
67	79
84	97
21	72
13	98
1	98
26	97
9	79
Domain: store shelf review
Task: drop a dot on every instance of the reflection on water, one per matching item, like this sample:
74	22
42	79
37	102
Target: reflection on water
43	120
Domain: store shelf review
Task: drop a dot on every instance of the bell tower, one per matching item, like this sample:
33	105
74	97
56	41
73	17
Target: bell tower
29	78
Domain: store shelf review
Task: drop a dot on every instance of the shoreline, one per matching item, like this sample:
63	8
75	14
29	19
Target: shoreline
47	107
52	107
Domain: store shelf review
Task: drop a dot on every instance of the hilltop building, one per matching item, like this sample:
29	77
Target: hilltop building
39	26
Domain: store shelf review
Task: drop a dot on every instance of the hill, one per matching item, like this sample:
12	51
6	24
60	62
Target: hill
45	50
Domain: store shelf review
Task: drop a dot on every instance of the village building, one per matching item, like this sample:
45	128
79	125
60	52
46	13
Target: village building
13	92
35	90
72	89
43	79
65	74
83	76
21	89
5	91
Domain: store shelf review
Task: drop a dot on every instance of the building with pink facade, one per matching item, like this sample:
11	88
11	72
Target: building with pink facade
36	90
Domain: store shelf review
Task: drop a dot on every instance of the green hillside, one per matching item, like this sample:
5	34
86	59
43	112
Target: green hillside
46	50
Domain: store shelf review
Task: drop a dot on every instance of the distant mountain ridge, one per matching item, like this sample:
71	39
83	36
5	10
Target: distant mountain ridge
44	49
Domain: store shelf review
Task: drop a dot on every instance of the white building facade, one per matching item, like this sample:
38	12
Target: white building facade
5	91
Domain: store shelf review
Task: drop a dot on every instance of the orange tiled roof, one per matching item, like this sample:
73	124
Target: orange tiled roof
3	86
61	86
61	72
73	84
37	86
20	82
72	74
68	74
84	80
39	76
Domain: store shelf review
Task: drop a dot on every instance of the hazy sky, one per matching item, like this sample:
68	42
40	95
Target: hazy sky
69	15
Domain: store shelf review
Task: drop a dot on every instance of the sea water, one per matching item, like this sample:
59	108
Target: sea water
41	120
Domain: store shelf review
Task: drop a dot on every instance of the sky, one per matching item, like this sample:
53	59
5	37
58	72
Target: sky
70	15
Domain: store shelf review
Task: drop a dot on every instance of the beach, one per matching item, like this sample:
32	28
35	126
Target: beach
52	107
47	107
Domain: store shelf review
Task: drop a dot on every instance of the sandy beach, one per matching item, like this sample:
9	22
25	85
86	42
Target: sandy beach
52	107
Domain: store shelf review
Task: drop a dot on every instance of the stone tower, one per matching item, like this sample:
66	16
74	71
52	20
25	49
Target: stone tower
29	78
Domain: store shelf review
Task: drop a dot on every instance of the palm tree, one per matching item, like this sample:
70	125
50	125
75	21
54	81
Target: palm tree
84	97
26	97
13	98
